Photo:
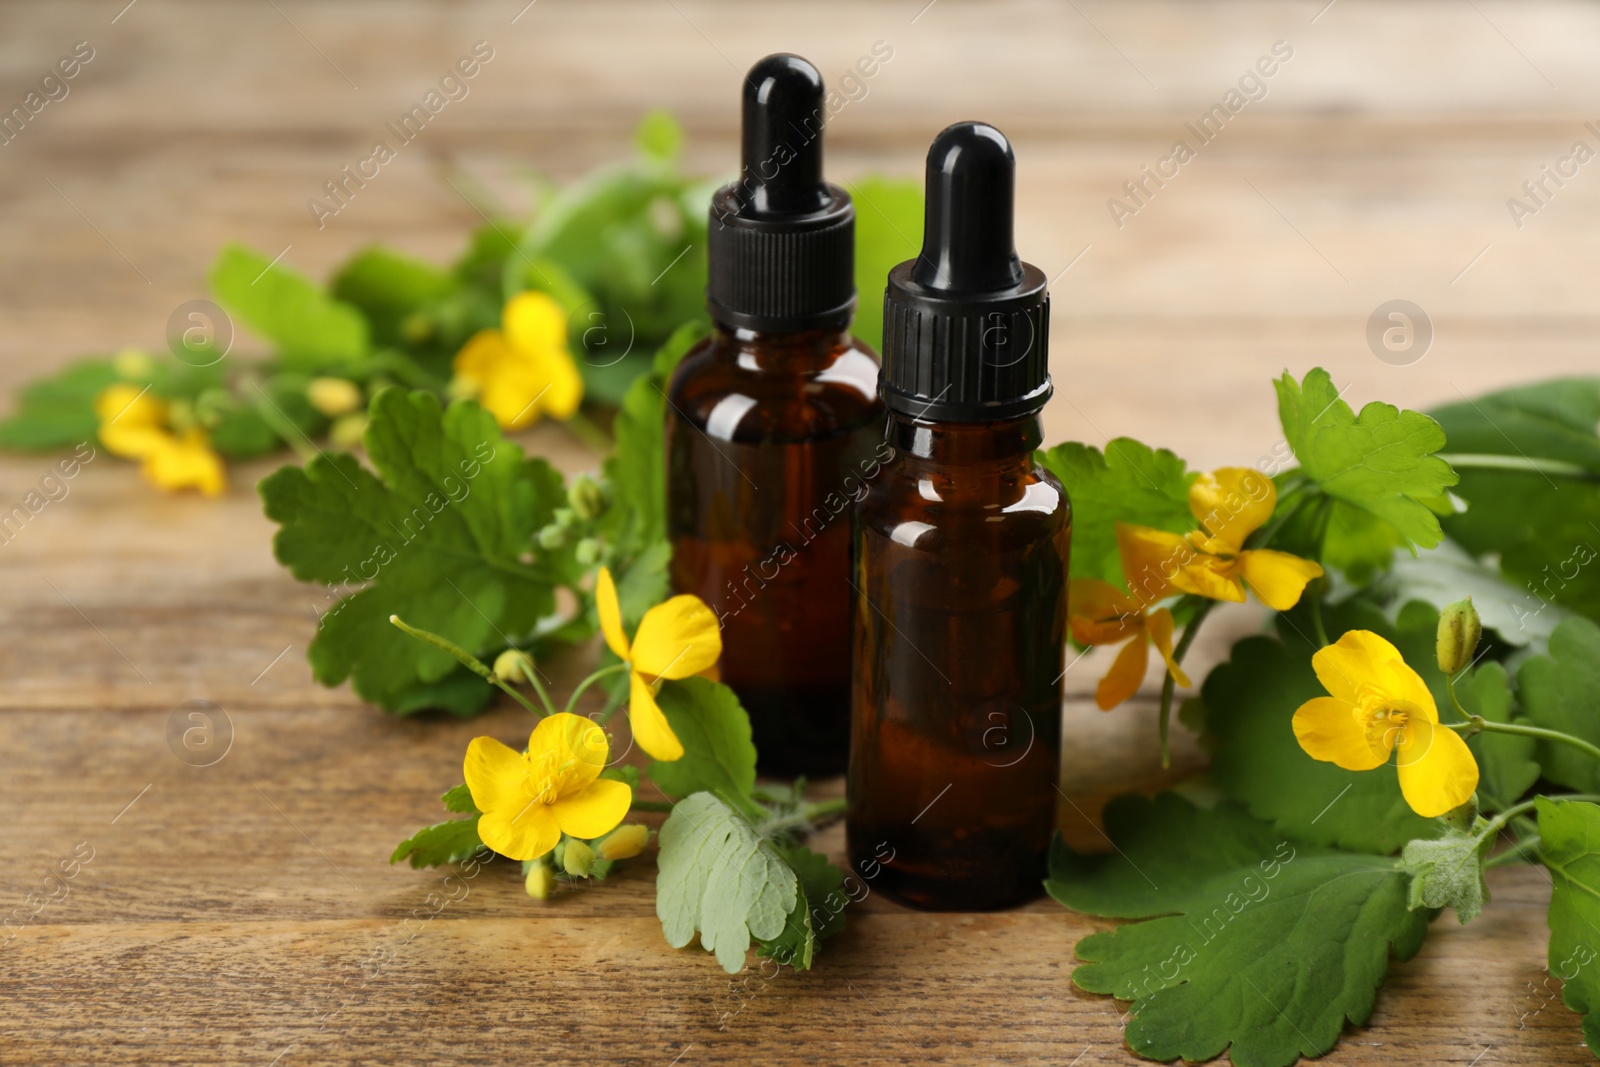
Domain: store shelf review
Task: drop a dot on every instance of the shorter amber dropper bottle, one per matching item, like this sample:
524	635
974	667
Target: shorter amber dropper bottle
960	562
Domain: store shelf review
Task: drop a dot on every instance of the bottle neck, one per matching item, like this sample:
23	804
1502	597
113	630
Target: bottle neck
796	352
1006	443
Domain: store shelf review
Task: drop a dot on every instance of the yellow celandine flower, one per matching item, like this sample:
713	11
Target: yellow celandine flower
134	425
1230	504
1378	704
523	369
1102	614
529	799
677	639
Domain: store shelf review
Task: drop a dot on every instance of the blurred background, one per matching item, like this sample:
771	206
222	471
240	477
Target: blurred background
1375	163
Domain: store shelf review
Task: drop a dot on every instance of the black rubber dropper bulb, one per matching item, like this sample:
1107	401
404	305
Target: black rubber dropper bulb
782	241
966	323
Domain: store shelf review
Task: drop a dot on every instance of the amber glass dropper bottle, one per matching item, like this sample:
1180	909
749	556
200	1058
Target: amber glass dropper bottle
960	562
774	429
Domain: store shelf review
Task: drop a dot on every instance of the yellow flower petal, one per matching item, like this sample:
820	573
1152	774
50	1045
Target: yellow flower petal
1099	613
481	357
573	746
610	611
187	463
1335	732
133	440
595	811
1277	578
1159	627
1437	771
131	405
650	727
534	323
494	773
523	833
677	639
1363	668
1232	503
1209	576
1151	559
565	384
1125	676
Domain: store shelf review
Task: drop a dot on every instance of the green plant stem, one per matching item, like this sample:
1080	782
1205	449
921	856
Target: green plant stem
588	434
652	805
1169	683
572	701
1517	853
476	666
1455	701
1469	461
1478	724
808	814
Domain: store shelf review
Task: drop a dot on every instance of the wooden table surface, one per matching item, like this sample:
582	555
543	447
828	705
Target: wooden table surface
231	913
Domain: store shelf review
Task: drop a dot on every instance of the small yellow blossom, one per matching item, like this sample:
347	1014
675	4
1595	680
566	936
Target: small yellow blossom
136	425
1377	705
333	396
541	880
1102	614
523	369
625	842
677	639
529	799
1230	504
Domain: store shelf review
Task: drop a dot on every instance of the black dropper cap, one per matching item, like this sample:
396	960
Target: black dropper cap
966	323
782	241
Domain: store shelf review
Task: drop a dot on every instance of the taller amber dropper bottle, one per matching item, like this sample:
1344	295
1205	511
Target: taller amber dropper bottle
774	429
960	562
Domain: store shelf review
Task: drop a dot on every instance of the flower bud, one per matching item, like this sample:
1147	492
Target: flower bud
625	842
1464	816
347	430
417	328
1459	633
577	858
541	880
333	396
586	497
587	552
133	365
514	666
552	537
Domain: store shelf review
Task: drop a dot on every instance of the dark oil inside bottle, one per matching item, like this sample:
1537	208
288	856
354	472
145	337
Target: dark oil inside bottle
960	567
771	440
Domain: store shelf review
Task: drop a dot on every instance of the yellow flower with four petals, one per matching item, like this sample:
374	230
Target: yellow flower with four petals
1230	504
1102	614
135	425
523	369
676	639
1378	705
529	799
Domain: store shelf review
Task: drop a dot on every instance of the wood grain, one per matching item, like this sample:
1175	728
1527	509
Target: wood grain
246	913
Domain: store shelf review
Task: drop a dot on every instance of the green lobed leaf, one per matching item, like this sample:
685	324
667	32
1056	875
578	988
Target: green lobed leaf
58	412
1381	460
1569	833
1543	531
1506	765
818	908
445	842
718	756
437	536
1130	482
1358	543
1548	420
310	329
888	232
1254	944
719	877
1449	573
1447	872
1561	691
459	799
388	287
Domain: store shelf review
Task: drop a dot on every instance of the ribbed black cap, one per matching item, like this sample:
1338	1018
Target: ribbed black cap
966	324
782	241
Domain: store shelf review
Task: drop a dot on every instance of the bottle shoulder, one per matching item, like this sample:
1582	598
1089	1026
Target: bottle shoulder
935	508
716	385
